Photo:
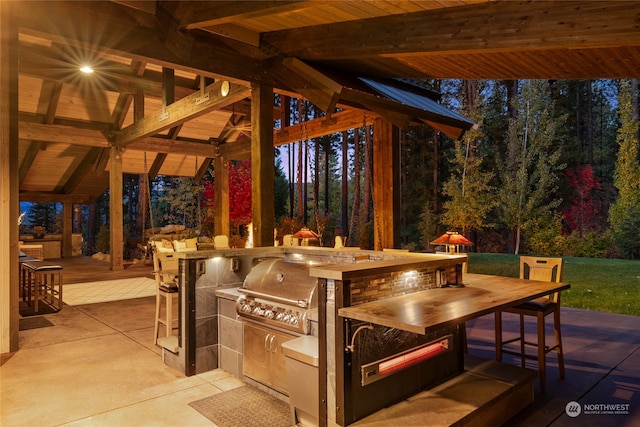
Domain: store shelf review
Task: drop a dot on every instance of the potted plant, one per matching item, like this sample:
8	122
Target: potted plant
38	232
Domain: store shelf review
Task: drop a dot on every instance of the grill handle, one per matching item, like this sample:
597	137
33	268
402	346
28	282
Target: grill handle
299	302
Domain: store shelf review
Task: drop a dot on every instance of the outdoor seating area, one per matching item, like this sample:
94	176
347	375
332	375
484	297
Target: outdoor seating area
133	386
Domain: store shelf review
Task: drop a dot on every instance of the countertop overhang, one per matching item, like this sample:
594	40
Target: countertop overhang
425	311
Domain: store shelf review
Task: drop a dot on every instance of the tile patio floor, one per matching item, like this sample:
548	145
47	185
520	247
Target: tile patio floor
97	366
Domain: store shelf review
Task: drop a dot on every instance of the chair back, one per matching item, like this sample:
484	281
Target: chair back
165	267
543	269
221	241
289	240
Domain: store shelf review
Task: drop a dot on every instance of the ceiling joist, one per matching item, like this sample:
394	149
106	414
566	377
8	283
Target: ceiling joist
215	96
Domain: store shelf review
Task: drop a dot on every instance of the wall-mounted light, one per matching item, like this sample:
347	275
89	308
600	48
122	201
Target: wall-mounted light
225	88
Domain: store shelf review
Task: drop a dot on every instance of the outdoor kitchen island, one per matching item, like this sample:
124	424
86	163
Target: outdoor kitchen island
389	327
380	373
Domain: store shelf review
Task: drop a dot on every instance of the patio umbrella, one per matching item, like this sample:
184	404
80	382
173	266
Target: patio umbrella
305	234
451	239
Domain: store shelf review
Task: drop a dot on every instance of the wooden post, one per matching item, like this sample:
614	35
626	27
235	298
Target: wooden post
221	195
386	185
9	188
262	165
67	229
115	209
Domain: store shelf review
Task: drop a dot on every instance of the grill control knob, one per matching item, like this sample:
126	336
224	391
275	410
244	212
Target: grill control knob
257	311
246	308
294	321
286	317
279	316
268	314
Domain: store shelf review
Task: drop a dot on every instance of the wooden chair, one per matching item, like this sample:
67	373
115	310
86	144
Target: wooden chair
541	269
221	241
165	266
289	240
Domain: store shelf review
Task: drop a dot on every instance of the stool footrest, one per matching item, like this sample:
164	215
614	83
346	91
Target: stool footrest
169	343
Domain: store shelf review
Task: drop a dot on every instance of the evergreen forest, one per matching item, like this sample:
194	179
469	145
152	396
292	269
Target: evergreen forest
552	168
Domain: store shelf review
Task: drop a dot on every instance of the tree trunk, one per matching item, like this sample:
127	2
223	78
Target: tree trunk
355	226
344	211
300	150
368	164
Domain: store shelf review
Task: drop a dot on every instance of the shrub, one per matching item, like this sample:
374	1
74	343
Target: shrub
591	244
103	240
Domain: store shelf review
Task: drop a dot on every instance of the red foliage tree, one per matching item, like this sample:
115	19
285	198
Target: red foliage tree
582	214
239	195
240	192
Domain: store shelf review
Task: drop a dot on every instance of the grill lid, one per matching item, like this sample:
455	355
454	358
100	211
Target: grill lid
282	280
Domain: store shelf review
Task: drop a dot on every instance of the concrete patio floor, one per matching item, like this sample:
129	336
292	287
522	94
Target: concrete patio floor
97	365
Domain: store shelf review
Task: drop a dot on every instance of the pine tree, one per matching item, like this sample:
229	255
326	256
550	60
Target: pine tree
624	214
529	172
468	187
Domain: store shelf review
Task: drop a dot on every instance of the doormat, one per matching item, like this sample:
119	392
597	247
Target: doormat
34	322
244	406
43	308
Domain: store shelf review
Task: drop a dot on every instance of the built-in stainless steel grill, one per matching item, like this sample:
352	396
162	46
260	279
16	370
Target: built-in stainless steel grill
276	299
280	293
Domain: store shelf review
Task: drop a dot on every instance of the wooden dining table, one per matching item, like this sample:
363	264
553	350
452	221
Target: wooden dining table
425	311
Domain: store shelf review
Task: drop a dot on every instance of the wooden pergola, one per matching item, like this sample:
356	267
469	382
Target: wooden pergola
177	83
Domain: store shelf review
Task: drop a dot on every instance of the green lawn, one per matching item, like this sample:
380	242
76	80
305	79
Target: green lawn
611	285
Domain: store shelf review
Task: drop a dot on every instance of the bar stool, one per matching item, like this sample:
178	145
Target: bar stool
547	270
167	292
42	281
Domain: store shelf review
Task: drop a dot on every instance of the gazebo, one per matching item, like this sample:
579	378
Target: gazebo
176	83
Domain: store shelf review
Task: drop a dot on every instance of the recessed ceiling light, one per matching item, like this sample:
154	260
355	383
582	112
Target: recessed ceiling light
86	69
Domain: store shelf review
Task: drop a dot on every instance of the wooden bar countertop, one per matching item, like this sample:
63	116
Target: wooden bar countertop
434	308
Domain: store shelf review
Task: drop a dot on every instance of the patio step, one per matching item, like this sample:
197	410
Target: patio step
486	393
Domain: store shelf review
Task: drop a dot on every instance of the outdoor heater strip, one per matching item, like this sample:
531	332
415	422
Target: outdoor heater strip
375	371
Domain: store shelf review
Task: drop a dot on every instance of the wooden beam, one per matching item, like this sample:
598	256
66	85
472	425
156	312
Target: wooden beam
333	123
262	165
327	125
116	218
203	169
28	159
181	111
67	227
221	224
91	138
62	134
319	88
487	27
81	170
205	14
9	182
37	196
103	27
386	185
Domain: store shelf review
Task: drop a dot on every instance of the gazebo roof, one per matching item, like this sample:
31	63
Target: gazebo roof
172	50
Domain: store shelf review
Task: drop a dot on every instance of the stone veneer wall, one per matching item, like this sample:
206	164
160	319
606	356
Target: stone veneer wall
380	286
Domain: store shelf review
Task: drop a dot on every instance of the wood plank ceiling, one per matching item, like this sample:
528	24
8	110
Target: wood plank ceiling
150	58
